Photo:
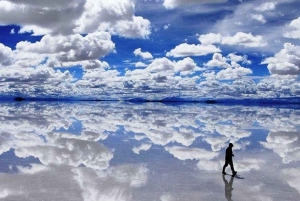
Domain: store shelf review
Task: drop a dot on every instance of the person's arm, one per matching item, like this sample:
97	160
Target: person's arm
230	153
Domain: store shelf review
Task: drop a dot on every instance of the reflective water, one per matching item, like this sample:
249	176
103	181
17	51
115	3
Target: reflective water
150	151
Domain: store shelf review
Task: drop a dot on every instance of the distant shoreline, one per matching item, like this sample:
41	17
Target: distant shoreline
172	100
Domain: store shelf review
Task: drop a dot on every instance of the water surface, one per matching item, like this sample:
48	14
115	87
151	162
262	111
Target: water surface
148	151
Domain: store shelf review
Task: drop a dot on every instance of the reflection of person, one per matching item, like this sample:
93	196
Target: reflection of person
228	159
228	188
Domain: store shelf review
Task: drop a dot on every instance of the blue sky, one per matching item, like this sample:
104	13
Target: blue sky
152	49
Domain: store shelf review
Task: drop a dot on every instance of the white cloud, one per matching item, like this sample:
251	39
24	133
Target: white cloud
161	64
138	28
285	62
218	61
59	49
233	69
184	50
233	73
238	58
240	38
244	39
240	21
6	55
258	17
90	64
269	6
171	4
34	77
210	38
186	66
294	31
39	17
117	17
144	55
75	16
140	64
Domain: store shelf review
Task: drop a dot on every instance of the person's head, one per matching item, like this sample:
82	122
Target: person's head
230	145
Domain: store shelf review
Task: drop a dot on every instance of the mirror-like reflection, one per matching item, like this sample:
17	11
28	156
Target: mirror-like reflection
150	151
228	188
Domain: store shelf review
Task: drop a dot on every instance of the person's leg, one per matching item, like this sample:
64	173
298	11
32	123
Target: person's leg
231	166
225	165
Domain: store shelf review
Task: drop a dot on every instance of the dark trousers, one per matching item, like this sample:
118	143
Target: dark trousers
228	162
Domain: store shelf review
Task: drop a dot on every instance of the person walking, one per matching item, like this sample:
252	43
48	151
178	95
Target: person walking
228	160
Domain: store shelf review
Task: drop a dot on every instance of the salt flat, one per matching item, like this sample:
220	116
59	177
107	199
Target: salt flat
147	151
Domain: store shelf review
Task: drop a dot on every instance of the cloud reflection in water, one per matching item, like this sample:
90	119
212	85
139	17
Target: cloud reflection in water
150	151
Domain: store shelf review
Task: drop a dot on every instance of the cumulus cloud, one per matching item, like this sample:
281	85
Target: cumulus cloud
269	6
144	55
233	69
294	31
171	4
240	38
34	75
58	51
184	50
210	38
233	73
238	58
39	17
244	39
6	55
241	20
218	61
75	16
140	64
46	81
186	66
258	17
161	64
61	49
285	62
117	17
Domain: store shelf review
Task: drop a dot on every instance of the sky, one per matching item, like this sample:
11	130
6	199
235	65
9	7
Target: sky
150	49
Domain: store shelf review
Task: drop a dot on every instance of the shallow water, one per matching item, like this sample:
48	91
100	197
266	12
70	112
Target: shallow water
148	151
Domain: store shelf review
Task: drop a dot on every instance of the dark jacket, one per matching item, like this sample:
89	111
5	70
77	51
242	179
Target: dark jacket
229	153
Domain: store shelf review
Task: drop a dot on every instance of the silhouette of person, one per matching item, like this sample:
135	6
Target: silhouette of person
228	159
228	188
